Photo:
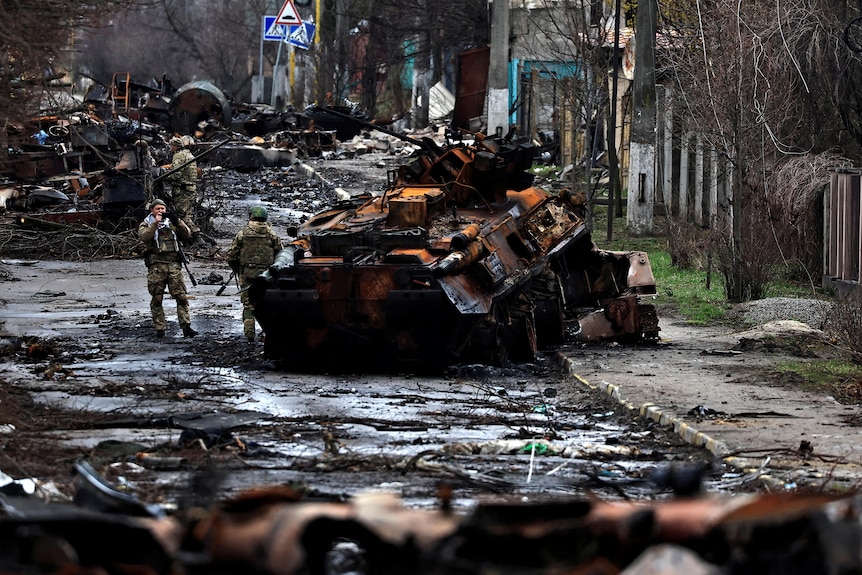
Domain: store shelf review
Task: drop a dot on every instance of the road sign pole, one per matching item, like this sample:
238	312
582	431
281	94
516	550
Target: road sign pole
261	83
292	71
275	73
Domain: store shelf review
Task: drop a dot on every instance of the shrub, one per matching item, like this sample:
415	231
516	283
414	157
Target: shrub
844	324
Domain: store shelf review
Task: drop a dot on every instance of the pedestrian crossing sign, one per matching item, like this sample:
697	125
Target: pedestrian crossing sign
301	36
288	15
274	32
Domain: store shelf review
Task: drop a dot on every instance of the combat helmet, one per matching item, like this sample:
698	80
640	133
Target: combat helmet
258	213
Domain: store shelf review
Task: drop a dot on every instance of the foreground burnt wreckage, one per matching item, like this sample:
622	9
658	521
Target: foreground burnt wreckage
274	530
460	259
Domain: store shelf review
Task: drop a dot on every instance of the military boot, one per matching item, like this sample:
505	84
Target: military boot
188	331
249	329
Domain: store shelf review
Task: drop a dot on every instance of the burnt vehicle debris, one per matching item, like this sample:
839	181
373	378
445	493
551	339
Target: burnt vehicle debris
276	530
461	259
98	164
196	104
123	96
343	119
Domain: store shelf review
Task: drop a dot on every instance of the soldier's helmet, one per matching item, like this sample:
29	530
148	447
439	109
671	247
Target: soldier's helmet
258	213
176	141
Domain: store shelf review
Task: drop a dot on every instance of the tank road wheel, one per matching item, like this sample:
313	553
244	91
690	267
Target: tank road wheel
649	322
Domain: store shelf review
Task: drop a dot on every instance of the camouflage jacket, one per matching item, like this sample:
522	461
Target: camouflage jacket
162	242
189	174
253	248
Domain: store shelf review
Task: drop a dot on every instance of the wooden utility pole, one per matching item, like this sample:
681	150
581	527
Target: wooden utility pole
642	149
498	70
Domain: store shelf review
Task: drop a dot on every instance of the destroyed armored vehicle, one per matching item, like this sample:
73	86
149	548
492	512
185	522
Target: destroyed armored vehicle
460	260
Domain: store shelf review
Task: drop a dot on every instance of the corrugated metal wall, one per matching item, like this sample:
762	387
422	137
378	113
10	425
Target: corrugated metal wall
842	239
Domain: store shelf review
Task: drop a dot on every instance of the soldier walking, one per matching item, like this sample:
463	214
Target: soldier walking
252	251
184	186
161	233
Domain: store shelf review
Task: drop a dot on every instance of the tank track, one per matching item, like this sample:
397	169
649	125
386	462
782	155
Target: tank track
649	322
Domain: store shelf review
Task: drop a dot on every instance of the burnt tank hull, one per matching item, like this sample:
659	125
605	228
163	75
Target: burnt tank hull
460	260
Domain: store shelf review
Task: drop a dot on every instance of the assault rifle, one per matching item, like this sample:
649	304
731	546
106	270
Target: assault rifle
194	158
224	285
185	261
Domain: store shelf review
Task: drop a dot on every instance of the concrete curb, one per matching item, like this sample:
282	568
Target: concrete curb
669	419
311	173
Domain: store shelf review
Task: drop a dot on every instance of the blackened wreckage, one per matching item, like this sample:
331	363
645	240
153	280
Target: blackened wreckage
460	259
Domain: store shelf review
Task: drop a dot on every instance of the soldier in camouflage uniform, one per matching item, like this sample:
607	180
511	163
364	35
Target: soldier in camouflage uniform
252	251
184	186
161	233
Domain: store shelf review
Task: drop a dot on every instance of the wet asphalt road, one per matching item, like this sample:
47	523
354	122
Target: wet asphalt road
153	414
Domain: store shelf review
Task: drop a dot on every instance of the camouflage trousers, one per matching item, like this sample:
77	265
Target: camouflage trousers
170	275
184	206
248	322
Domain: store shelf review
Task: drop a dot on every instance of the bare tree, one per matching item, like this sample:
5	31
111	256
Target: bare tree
401	34
758	82
331	59
37	42
186	40
368	44
577	37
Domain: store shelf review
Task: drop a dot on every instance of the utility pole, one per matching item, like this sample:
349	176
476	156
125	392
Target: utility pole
277	91
641	196
614	188
342	35
257	82
421	73
498	70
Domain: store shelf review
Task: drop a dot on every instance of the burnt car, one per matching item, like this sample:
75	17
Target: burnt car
461	259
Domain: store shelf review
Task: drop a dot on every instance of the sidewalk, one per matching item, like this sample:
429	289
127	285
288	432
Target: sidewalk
726	402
